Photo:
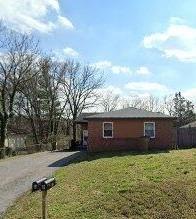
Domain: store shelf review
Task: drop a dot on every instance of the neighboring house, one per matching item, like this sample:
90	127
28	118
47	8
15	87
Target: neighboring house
129	128
187	135
17	138
18	133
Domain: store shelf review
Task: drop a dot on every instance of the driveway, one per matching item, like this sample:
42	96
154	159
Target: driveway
17	173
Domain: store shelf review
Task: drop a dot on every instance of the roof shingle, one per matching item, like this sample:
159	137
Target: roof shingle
130	112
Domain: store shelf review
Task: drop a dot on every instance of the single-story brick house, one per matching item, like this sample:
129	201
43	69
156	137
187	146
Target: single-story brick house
128	129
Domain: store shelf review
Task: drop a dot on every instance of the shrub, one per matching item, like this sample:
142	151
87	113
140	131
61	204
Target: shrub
8	151
2	152
14	153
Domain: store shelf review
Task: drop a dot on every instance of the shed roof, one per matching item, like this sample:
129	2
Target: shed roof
189	125
129	112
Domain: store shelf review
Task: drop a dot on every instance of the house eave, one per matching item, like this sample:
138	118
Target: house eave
131	118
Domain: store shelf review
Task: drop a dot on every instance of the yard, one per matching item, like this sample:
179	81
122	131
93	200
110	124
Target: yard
124	185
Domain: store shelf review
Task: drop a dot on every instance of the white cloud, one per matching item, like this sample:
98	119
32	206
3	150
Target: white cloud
177	41
120	69
177	20
63	54
109	66
112	89
143	71
27	16
190	94
63	21
102	64
70	52
146	87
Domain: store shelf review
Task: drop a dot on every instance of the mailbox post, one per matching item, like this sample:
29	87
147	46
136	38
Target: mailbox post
44	200
43	185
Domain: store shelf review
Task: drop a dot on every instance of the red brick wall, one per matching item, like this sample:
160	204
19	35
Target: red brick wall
126	133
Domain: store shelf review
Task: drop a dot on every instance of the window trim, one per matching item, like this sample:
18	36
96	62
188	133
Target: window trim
103	130
153	126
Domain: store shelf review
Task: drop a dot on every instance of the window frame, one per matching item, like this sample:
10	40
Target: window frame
104	130
154	126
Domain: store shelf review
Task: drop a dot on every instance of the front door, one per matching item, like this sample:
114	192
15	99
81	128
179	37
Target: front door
85	138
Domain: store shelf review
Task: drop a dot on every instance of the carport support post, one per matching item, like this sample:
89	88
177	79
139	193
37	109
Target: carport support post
44	200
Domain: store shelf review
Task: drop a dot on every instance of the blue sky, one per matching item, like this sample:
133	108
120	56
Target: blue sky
144	47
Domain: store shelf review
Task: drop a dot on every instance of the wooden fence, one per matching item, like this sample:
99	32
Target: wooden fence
186	137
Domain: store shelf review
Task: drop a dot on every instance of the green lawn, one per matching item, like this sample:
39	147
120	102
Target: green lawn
124	185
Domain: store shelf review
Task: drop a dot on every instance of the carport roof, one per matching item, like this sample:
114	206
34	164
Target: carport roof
82	117
130	112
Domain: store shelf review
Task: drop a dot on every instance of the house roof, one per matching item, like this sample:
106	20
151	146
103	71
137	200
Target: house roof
130	112
82	117
189	125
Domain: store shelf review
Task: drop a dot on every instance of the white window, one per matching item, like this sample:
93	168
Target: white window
149	129
107	130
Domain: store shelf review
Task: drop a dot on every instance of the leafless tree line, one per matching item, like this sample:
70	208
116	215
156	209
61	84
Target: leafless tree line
111	101
173	105
151	103
45	91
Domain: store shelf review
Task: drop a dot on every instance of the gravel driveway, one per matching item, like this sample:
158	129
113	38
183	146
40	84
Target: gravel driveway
17	173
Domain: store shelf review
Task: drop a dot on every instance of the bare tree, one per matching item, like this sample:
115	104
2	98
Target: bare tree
41	101
28	101
183	110
52	73
19	54
169	104
153	103
138	102
150	103
109	101
80	88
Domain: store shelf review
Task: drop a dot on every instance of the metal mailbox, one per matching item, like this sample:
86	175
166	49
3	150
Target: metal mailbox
48	184
36	185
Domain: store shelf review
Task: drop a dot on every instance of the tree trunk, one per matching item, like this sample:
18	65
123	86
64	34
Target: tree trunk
54	143
34	131
3	133
40	127
67	127
74	131
54	134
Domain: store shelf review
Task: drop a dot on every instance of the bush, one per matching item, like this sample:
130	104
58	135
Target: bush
8	151
2	153
14	153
